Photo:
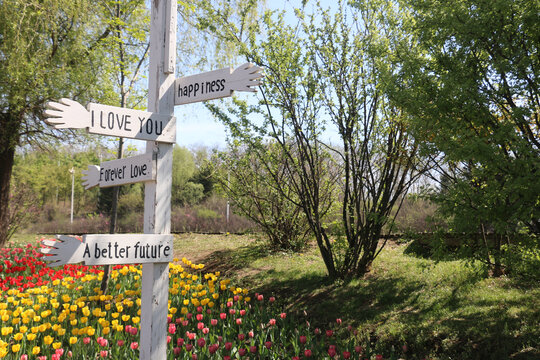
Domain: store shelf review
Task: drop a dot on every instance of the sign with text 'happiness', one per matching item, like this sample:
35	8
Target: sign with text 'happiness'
111	120
108	249
216	84
120	172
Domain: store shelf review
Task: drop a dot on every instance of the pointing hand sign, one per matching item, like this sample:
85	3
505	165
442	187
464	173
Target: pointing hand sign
67	114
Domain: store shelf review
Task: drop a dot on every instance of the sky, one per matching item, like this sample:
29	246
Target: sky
195	126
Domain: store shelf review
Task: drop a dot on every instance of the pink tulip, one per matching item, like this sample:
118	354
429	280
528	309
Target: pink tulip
103	353
134	345
213	322
268	344
303	339
307	353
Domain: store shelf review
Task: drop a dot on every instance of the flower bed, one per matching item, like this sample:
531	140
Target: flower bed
60	313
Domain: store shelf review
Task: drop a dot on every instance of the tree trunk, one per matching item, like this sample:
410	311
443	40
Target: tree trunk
7	157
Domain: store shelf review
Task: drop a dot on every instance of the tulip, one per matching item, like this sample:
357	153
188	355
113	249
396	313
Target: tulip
242	352
180	342
201	342
332	352
307	353
177	351
272	322
283	315
268	344
213	322
213	348
134	345
303	339
346	355
228	346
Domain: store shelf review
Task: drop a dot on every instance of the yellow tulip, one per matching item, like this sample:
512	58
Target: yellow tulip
72	340
48	340
15	348
36	350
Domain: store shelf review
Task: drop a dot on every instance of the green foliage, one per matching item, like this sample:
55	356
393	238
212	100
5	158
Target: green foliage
256	181
469	77
190	183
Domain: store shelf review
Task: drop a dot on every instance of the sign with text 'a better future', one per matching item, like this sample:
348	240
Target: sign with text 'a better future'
111	120
108	249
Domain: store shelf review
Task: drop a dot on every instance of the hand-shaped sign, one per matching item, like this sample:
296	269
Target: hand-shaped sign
103	249
111	120
217	84
67	114
120	172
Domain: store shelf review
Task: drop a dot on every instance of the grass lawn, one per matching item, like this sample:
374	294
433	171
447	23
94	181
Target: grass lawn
440	310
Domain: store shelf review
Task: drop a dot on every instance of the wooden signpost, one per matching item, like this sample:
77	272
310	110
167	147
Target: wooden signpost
120	172
154	248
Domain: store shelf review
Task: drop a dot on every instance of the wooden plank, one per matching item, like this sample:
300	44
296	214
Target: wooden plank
108	249
157	202
120	172
112	120
216	84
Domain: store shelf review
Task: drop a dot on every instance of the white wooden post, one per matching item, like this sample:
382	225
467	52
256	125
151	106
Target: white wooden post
157	202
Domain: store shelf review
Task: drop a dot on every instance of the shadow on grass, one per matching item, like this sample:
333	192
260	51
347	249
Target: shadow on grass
441	320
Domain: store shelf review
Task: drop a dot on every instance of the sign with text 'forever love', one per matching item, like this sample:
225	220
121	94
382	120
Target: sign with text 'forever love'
108	249
216	84
120	172
111	120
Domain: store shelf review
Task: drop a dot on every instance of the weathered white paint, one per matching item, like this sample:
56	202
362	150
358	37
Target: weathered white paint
216	84
108	249
157	202
120	172
111	120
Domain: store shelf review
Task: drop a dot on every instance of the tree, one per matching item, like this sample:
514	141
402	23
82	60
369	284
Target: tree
48	50
184	190
470	76
325	75
254	179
